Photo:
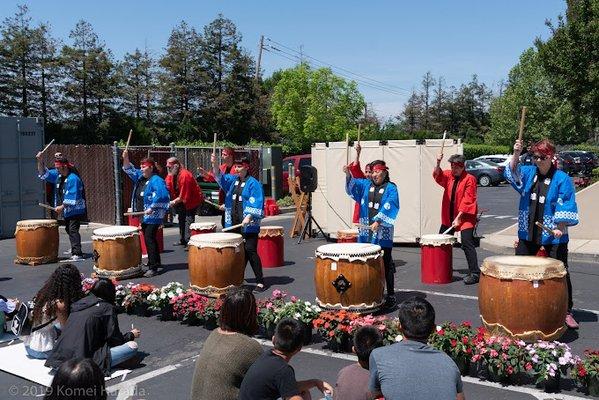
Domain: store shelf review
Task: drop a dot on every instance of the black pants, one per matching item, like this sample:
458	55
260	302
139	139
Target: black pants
72	225
251	253
186	218
559	252
389	270
468	247
151	238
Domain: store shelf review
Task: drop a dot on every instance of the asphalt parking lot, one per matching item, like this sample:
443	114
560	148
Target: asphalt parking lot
170	348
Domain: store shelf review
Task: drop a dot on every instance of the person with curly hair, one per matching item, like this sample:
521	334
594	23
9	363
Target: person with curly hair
51	310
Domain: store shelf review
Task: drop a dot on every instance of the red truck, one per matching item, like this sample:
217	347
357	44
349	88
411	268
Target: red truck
296	162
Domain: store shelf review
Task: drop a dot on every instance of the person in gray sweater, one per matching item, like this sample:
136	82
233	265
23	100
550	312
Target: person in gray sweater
229	351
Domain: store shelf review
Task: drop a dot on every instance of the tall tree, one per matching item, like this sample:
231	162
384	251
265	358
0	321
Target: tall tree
428	83
411	116
138	84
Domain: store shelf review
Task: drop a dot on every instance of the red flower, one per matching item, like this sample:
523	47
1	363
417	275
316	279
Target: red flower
465	340
467	324
528	366
440	332
582	372
454	343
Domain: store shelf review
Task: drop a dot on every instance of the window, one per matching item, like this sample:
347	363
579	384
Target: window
305	161
287	164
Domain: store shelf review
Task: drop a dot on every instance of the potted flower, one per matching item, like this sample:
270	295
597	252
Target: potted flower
549	360
87	284
392	334
586	372
160	298
335	327
212	313
457	341
502	356
268	310
303	311
189	307
379	322
136	302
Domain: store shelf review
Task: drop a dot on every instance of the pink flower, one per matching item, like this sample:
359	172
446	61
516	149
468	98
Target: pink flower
293	299
493	353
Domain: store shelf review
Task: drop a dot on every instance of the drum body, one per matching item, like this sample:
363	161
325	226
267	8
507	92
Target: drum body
198	228
117	252
36	241
216	262
271	246
347	236
523	296
436	258
349	276
136	221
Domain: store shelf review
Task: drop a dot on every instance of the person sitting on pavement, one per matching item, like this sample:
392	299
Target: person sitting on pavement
411	369
78	379
51	310
271	377
92	331
352	381
229	351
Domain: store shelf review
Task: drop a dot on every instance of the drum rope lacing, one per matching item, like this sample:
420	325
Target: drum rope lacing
527	335
122	274
360	308
36	260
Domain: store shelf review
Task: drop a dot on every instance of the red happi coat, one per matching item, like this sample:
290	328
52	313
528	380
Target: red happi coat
189	190
356	172
465	198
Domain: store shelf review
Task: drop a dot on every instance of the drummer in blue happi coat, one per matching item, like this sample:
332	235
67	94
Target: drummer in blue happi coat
547	196
379	205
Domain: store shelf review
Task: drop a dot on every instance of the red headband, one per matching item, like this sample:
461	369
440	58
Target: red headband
379	167
172	163
147	164
59	164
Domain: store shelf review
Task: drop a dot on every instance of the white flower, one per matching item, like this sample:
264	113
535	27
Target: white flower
179	290
163	295
297	315
438	328
398	338
307	303
171	295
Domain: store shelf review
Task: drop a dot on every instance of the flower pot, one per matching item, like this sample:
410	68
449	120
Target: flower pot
343	345
550	384
463	364
211	323
520	378
192	320
593	387
140	310
307	328
166	313
267	333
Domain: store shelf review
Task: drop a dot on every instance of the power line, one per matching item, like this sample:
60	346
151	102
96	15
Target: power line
339	68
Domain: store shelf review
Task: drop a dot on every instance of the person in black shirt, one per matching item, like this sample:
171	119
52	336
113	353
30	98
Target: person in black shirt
271	377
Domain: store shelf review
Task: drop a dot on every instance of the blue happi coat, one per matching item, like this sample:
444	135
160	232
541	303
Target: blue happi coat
560	202
154	193
358	190
72	192
252	200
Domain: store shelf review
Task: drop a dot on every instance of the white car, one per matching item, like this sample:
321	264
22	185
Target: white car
501	159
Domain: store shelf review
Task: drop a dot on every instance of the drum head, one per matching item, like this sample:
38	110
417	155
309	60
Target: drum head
202	226
216	240
116	231
36	222
271	230
349	251
437	240
347	232
528	268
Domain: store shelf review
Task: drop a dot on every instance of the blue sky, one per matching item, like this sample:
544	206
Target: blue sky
393	42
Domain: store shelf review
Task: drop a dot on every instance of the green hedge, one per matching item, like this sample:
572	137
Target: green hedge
586	147
476	150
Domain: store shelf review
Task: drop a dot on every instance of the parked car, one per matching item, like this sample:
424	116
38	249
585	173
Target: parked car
569	163
487	173
294	162
587	160
501	159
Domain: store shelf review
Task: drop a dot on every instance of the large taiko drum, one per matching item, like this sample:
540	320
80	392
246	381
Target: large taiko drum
436	258
349	276
347	236
271	246
523	296
198	228
117	252
216	262
134	220
37	241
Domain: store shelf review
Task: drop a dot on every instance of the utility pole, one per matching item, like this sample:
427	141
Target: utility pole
259	56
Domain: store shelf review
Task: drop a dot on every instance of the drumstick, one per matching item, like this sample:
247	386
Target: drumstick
129	139
211	203
359	129
447	231
214	144
347	148
49	207
232	227
443	144
359	226
48	145
132	214
522	117
544	227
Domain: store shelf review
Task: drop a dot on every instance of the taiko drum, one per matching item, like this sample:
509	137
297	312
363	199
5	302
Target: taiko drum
347	236
136	221
436	258
271	246
199	228
36	241
117	252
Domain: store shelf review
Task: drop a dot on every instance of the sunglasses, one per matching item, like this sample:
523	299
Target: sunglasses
539	158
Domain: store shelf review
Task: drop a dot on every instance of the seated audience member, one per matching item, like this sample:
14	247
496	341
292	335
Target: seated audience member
7	309
77	379
51	310
271	377
92	331
229	351
411	369
352	381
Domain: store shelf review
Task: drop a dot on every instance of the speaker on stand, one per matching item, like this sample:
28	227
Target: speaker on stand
308	184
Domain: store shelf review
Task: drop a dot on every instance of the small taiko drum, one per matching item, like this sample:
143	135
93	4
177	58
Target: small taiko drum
37	241
117	252
216	262
436	258
349	276
134	220
347	236
198	228
523	296
271	246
